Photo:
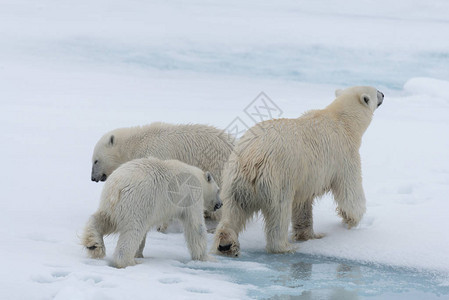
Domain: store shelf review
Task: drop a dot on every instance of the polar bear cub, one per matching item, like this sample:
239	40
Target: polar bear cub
202	146
143	193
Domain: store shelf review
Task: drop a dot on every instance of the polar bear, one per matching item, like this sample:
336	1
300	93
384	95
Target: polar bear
203	146
279	166
143	193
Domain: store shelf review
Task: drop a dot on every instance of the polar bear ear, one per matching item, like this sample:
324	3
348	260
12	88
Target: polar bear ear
338	92
111	140
208	176
365	99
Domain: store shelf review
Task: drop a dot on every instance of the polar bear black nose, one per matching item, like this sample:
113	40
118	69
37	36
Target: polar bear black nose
380	98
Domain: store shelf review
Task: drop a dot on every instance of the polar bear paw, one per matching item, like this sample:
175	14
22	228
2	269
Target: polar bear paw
227	243
279	249
307	235
162	228
350	221
96	250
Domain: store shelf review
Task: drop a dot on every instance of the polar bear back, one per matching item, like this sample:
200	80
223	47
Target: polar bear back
307	154
138	188
304	155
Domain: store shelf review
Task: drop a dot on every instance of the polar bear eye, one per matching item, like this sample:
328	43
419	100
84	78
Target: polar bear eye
95	162
366	99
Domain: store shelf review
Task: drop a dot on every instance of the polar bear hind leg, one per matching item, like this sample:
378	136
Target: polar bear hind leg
98	225
302	220
233	220
127	246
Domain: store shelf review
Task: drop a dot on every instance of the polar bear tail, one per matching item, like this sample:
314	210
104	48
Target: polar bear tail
98	225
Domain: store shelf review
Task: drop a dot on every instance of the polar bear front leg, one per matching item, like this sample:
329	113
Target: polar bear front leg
302	220
350	198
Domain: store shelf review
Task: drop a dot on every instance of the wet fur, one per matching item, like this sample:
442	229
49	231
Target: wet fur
135	199
280	166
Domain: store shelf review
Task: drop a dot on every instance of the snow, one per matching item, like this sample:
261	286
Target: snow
71	71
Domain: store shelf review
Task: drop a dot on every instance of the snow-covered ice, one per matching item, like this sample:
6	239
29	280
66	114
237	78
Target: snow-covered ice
70	71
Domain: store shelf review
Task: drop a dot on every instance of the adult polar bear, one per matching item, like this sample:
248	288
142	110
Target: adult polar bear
280	166
145	192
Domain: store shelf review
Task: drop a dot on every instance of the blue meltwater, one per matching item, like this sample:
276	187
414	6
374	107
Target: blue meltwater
301	276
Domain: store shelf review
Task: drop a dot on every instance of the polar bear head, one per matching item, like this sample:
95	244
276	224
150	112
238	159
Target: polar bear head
106	157
355	107
369	97
211	191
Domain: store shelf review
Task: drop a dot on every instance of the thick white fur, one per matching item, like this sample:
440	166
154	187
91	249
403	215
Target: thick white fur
280	166
205	147
135	198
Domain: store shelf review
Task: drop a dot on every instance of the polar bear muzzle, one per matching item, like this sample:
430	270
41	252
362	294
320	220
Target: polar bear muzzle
97	172
98	176
380	98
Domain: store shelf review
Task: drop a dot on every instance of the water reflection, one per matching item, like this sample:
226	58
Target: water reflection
352	273
301	270
300	276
